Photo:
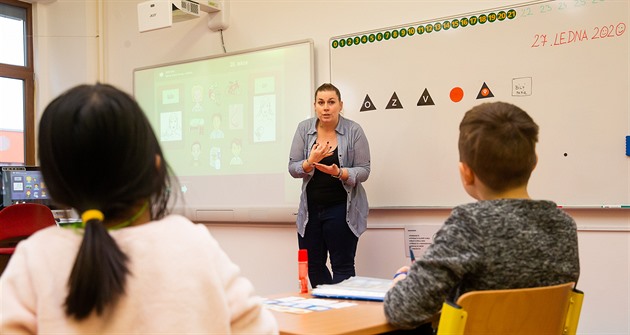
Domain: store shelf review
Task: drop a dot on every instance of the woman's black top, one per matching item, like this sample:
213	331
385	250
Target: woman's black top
323	189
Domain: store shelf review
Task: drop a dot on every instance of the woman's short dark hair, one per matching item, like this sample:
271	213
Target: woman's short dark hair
97	150
498	142
328	87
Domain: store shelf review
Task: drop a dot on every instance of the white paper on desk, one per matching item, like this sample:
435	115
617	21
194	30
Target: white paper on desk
299	305
359	288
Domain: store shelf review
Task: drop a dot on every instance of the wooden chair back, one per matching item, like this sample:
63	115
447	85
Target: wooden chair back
539	310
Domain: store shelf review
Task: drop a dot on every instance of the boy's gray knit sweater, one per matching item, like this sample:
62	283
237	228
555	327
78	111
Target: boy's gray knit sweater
494	244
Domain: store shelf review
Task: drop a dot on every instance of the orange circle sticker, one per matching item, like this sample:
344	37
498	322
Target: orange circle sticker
457	94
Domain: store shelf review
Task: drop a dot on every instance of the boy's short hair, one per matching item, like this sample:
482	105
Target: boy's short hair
498	142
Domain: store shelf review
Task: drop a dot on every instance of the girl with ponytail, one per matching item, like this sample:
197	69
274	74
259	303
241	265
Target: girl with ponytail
129	266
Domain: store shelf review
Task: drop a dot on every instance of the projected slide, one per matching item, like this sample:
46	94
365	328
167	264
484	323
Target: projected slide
226	123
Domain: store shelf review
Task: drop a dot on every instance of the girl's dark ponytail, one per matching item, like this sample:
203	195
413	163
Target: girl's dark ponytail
99	273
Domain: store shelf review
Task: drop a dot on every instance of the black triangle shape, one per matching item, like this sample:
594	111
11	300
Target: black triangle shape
394	102
367	104
425	99
484	92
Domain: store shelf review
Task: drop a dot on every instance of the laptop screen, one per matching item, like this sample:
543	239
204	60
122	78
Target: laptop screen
21	184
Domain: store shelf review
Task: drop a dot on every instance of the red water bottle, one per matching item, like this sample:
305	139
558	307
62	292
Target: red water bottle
303	270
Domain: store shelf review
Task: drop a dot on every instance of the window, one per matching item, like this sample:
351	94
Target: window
17	115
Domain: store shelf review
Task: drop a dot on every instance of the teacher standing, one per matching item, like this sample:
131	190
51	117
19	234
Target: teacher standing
332	156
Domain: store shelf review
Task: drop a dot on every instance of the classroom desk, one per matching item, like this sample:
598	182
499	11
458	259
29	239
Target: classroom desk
367	317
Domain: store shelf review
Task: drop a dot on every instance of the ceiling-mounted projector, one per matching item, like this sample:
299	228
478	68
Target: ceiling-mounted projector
159	14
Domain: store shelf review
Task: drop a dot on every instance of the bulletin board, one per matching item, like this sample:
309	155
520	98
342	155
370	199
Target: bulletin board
563	62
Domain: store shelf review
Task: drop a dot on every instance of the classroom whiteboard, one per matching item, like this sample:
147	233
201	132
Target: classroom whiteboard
564	62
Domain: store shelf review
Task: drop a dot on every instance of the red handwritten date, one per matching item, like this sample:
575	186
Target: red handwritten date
579	35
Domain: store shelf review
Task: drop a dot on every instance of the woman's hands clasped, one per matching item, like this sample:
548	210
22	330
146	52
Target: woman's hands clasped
332	170
319	152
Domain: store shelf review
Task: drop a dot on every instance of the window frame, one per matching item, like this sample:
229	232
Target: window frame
27	75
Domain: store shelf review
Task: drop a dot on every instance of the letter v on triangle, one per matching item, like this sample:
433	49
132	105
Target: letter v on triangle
425	99
484	92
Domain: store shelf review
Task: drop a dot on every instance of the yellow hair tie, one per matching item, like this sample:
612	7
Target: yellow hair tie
91	215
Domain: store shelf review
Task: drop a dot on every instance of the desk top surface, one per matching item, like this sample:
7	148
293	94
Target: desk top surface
367	317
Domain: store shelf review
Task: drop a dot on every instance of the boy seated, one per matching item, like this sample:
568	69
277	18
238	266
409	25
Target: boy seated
505	240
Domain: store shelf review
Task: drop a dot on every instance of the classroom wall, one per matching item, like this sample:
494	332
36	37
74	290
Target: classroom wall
85	41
